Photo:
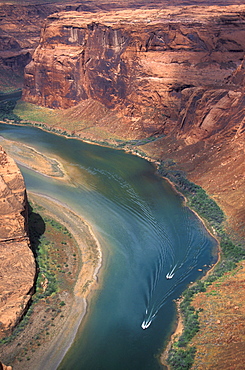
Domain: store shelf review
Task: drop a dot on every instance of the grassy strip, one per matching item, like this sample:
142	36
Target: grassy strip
53	120
181	356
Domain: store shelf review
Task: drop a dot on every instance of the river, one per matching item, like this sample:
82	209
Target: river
153	247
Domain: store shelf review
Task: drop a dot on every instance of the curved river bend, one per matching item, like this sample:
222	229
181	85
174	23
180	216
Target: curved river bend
153	246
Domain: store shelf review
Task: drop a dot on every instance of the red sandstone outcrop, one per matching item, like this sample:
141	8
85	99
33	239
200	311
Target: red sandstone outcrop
20	26
177	71
17	265
145	65
4	367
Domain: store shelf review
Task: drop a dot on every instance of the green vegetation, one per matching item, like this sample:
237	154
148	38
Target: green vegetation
182	360
181	356
50	119
32	112
196	196
6	111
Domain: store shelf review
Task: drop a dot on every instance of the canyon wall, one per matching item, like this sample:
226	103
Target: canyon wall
176	73
17	265
146	65
20	24
19	36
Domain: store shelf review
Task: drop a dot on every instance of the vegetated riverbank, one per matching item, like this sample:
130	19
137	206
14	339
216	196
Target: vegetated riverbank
180	354
68	257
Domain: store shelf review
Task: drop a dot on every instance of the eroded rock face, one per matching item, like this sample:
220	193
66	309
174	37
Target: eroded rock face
146	65
177	71
20	26
17	265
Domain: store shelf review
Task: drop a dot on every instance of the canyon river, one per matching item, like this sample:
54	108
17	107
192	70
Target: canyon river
153	246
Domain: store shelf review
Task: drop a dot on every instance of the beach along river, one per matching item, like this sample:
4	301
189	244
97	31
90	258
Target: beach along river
152	245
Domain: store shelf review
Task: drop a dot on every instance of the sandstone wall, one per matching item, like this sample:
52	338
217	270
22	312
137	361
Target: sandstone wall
17	265
148	66
20	26
173	71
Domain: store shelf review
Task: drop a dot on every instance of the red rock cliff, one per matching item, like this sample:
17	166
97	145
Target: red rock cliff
144	65
17	265
20	25
177	71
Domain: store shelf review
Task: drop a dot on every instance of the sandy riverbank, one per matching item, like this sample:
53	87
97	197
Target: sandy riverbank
61	335
179	325
174	337
33	348
51	354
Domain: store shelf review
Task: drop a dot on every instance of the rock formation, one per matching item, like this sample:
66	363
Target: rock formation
20	26
17	265
176	72
146	65
4	367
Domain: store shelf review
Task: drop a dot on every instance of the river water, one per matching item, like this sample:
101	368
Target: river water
147	235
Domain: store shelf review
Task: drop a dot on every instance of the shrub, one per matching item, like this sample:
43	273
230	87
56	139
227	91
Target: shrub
180	359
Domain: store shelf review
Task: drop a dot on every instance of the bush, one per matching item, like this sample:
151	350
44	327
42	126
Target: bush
180	359
6	111
231	251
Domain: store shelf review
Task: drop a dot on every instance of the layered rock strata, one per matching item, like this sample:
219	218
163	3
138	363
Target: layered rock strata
176	72
143	64
17	265
208	144
20	25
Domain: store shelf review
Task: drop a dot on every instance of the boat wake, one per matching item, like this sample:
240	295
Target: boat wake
176	258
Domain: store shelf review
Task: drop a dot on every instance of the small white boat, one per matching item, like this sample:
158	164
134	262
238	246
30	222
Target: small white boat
146	324
170	274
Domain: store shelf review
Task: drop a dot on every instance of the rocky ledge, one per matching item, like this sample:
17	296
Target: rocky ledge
17	264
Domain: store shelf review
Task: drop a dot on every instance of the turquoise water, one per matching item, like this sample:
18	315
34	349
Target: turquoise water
147	234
